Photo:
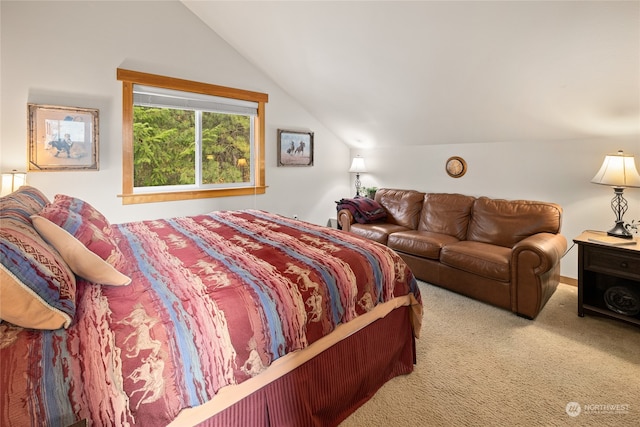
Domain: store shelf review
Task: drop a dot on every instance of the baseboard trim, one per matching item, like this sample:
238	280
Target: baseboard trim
569	281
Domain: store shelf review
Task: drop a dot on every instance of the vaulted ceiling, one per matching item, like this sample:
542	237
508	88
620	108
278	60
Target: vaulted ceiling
385	73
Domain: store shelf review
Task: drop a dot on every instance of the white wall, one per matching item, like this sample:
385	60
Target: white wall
556	171
67	53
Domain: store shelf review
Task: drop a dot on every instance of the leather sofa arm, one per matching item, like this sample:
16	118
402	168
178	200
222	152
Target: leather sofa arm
345	219
535	271
547	246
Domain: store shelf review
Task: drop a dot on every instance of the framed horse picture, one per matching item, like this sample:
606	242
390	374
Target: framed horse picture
295	148
62	138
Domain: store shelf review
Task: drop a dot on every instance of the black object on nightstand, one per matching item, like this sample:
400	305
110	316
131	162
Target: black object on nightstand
609	276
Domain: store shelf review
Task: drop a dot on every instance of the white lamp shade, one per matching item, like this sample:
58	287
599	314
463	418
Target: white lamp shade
357	165
11	181
618	170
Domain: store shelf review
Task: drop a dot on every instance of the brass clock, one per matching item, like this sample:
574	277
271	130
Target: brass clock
456	166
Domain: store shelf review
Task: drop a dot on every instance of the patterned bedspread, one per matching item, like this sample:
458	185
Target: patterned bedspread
214	300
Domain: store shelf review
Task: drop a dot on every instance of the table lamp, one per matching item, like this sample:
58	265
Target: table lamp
358	167
11	181
618	171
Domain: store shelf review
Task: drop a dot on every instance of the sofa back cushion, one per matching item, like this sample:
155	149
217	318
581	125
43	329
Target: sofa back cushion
506	222
403	206
446	214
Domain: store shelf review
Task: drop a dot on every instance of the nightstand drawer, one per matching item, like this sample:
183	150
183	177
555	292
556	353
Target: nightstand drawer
613	263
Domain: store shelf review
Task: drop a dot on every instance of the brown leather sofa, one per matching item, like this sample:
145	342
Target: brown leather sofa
503	252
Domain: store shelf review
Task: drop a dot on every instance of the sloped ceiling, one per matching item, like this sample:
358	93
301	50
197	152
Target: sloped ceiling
439	72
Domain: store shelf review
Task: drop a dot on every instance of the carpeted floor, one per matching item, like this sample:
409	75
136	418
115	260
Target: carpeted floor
482	366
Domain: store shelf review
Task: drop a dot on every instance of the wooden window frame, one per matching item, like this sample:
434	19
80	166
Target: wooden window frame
129	78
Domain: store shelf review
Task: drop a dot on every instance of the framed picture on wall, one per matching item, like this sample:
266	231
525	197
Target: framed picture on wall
62	138
295	148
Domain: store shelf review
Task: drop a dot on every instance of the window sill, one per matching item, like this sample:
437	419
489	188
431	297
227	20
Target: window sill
132	199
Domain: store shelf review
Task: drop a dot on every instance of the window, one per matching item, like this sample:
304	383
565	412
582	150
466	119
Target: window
186	140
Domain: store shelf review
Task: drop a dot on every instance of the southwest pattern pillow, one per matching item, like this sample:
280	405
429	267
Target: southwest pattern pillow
38	288
84	261
93	238
85	210
23	203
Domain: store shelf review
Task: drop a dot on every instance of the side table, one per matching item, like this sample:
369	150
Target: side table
609	276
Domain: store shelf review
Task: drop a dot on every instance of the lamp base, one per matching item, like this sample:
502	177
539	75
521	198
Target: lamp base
619	231
358	185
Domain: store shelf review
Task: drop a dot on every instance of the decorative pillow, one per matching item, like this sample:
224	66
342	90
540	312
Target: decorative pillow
23	203
89	254
86	231
89	215
38	288
85	210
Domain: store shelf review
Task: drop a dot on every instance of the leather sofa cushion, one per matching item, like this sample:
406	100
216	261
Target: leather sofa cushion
446	214
403	206
506	222
376	231
483	259
419	243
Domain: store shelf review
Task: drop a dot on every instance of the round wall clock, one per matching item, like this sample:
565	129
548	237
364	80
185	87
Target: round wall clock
456	166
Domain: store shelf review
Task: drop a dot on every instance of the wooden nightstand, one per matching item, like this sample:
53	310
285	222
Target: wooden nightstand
608	277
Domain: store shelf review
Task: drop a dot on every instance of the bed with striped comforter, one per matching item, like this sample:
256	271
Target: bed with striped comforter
214	300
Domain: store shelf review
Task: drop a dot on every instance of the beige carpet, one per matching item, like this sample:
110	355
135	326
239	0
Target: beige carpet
482	366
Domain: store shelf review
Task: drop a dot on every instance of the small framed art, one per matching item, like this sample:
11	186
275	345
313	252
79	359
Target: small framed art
62	138
295	148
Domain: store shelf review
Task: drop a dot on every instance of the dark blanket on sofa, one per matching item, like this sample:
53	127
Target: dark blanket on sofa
363	209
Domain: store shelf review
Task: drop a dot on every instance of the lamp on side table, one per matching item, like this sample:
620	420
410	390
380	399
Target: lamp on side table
619	171
358	167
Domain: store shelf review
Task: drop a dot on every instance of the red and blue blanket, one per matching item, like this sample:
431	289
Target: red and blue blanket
214	300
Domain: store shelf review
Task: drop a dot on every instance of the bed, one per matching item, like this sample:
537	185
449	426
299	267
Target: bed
227	318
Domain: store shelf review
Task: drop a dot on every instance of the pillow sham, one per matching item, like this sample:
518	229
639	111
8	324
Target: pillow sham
90	217
88	255
23	203
97	240
85	210
38	288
